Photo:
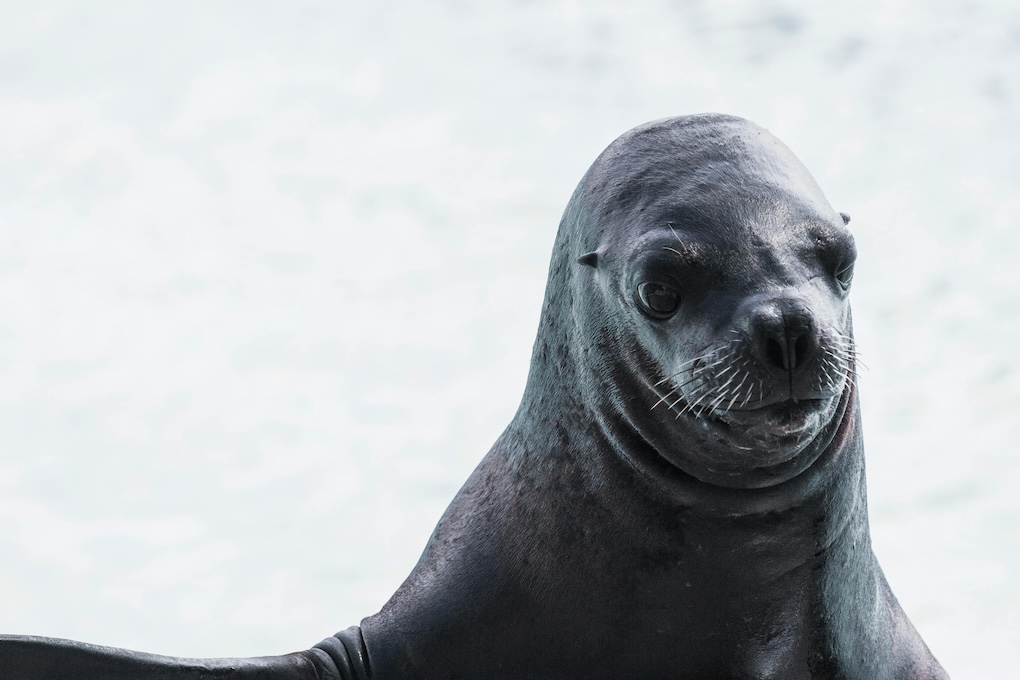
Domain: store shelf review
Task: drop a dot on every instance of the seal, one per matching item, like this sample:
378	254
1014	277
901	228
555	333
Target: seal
681	493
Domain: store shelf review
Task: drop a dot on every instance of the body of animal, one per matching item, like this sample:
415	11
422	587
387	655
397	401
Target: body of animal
681	493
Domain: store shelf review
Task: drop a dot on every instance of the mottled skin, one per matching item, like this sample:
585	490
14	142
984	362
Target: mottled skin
681	493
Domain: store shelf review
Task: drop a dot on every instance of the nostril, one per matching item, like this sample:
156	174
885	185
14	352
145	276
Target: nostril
775	352
783	333
800	350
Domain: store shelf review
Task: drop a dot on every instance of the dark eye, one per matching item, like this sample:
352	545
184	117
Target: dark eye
658	299
845	274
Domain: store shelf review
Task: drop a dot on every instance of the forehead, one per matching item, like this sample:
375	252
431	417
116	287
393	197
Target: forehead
751	239
718	186
710	224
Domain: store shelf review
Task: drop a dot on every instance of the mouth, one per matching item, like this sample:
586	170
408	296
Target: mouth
786	426
761	440
785	418
781	426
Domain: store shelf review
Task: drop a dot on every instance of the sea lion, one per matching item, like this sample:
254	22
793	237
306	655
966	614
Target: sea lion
681	493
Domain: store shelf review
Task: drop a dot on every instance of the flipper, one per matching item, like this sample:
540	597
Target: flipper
341	657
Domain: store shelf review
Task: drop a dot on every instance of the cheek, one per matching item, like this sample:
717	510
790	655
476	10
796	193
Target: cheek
830	309
677	341
701	323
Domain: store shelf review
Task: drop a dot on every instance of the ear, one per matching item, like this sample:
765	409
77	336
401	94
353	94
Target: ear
591	259
846	218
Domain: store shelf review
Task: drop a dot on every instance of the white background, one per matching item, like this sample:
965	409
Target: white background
270	274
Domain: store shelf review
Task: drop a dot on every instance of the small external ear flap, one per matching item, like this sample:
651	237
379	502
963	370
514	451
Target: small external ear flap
846	218
591	259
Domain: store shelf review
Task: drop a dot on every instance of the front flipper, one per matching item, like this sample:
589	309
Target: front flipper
39	658
348	652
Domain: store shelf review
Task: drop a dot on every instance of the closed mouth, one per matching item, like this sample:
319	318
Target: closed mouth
786	416
788	424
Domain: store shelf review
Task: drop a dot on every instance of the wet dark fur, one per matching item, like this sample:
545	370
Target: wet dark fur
681	493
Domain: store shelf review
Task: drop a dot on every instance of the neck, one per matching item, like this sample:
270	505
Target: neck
776	527
787	570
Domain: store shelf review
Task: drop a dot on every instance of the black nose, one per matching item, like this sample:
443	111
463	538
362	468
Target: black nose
784	333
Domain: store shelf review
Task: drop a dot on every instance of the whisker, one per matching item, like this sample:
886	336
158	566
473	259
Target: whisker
736	390
750	391
663	398
694	404
683	367
675	235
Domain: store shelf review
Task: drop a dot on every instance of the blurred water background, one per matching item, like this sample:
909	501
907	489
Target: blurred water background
270	273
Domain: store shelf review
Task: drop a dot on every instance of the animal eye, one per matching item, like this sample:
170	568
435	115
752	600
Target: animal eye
658	299
845	274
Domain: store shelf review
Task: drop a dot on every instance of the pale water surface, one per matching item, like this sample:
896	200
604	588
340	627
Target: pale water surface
270	274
